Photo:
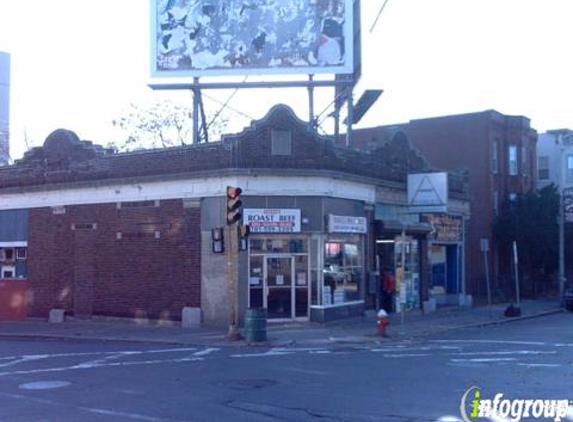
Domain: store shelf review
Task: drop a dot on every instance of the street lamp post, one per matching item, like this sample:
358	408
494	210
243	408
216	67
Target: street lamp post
561	244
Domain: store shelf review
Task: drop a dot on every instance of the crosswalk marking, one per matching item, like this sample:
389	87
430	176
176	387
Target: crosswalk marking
452	351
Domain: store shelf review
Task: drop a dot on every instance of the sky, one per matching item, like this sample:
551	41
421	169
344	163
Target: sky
78	64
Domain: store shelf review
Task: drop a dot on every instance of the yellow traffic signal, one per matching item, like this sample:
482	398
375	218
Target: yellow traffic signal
233	205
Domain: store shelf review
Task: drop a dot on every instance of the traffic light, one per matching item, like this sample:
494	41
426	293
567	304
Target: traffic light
233	205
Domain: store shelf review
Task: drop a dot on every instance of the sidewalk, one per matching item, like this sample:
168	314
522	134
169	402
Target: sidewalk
351	331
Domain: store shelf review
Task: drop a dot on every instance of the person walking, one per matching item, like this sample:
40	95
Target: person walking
388	290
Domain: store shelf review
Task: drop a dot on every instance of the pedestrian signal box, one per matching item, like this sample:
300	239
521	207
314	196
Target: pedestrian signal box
218	240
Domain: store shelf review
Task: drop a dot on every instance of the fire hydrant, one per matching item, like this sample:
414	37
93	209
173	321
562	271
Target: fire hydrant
382	322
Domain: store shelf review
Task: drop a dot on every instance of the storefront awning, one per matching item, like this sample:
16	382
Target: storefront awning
394	218
396	226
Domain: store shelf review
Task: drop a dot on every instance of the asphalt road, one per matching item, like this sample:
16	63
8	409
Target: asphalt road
421	380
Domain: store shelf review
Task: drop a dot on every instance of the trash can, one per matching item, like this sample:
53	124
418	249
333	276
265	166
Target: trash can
256	324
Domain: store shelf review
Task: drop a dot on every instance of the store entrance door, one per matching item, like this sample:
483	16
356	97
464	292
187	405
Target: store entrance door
279	287
280	283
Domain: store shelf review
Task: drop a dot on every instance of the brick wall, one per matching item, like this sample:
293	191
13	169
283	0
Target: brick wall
132	261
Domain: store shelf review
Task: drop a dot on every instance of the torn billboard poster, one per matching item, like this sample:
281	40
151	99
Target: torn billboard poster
191	38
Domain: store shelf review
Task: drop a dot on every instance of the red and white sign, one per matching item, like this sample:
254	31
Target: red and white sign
272	220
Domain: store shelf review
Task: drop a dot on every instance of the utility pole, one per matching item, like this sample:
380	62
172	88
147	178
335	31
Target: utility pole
562	141
233	215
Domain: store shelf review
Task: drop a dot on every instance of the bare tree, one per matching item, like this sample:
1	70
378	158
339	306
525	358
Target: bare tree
4	148
159	125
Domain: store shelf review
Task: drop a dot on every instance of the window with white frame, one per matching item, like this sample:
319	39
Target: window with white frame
543	168
494	157
512	160
569	171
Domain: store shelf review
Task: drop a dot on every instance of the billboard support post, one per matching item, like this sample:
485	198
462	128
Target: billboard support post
195	110
350	116
311	103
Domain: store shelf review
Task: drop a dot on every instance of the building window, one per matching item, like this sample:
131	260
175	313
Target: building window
512	162
138	204
512	202
7	254
496	203
523	161
569	167
543	168
281	142
343	270
13	261
494	158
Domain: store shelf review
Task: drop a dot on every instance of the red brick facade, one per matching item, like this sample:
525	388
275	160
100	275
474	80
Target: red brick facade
465	143
128	261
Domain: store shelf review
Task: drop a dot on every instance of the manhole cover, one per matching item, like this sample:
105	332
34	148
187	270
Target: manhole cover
43	385
248	384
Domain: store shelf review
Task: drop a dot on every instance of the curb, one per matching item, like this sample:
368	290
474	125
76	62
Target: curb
353	339
499	321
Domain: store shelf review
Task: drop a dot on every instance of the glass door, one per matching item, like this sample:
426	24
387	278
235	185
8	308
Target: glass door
279	287
301	288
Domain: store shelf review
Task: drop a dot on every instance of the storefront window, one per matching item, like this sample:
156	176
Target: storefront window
315	270
407	265
343	270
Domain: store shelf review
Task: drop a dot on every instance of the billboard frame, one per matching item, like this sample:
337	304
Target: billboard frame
184	78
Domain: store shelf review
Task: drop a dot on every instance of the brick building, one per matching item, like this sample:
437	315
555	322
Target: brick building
98	233
498	152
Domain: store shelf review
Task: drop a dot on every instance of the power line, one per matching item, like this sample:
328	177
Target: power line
225	105
378	15
229	107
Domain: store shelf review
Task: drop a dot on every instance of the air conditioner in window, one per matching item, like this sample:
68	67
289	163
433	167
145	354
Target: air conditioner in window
8	271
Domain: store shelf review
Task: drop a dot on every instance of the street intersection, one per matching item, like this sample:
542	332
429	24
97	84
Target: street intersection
416	380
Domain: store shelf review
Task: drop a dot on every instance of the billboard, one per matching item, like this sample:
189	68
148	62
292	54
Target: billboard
192	38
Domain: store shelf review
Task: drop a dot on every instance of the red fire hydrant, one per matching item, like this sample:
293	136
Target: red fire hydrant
382	322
